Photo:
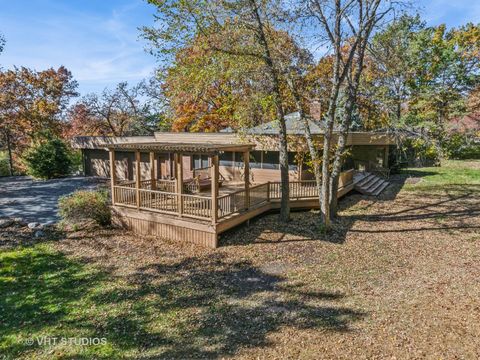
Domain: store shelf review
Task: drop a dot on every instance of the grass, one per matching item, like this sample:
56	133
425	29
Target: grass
46	294
398	277
452	172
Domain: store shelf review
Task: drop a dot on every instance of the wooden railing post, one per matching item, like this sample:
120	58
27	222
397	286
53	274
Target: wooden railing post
179	183
214	188
138	176
246	165
112	174
268	191
153	173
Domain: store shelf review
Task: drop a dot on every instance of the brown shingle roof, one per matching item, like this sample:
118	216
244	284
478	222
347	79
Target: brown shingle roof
196	148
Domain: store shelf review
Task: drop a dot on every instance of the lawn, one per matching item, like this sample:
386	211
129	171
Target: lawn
452	172
397	278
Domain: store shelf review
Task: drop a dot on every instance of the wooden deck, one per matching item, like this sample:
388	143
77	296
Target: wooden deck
153	210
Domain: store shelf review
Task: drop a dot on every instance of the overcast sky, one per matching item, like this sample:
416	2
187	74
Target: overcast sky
98	40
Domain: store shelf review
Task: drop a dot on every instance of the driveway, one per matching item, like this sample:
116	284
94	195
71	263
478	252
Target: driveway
36	200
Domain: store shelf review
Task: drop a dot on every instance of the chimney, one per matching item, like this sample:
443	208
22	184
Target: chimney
316	110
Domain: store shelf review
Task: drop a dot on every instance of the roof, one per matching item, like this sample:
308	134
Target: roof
196	148
99	142
293	124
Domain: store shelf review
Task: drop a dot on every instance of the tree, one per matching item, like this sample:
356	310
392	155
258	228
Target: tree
2	42
373	15
210	90
48	159
32	103
241	28
388	69
117	112
446	66
344	26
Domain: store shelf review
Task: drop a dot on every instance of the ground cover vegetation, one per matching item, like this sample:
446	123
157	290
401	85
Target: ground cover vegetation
397	277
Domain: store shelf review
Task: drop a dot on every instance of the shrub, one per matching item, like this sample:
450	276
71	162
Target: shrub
419	152
4	164
461	147
48	159
84	205
77	161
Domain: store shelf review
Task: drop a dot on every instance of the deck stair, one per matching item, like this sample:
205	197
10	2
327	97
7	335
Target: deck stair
369	184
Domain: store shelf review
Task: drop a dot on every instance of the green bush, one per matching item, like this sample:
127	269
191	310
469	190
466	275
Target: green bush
77	161
418	152
48	159
4	164
461	147
84	205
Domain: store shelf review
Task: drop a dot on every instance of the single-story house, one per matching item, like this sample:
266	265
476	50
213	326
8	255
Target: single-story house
194	186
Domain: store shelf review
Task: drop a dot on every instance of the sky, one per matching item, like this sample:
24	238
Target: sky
99	42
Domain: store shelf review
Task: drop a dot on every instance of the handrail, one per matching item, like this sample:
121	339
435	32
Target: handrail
200	207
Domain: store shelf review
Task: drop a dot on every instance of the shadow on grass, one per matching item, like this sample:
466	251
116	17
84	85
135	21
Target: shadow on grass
217	307
427	205
39	288
193	308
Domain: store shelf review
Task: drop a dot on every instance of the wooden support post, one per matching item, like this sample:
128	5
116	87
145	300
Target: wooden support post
153	172
268	191
179	182
246	167
112	174
300	169
138	176
214	177
386	155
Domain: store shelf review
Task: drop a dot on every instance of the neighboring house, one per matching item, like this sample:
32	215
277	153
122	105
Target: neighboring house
194	186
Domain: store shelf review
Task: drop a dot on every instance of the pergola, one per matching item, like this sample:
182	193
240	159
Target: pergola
179	150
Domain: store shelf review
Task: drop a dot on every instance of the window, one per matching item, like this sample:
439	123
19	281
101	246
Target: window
292	161
239	159
255	159
271	160
199	161
226	158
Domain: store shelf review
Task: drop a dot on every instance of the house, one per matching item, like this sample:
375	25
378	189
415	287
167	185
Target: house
195	186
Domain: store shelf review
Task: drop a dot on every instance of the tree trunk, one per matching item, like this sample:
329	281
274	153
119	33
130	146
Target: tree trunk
283	150
327	144
310	141
338	158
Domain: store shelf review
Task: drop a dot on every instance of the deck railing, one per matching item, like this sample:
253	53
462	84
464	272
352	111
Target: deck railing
165	202
232	203
160	184
200	207
298	189
124	195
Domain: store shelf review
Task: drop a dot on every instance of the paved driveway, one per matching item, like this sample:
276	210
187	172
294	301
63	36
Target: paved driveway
34	200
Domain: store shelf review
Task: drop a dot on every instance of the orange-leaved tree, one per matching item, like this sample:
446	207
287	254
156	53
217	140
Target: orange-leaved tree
32	103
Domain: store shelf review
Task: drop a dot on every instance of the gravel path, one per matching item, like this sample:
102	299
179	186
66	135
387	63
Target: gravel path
36	200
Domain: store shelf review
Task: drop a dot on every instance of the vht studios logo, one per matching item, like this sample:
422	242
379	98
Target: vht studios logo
77	341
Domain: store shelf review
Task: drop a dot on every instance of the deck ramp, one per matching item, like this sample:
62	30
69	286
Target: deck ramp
369	184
